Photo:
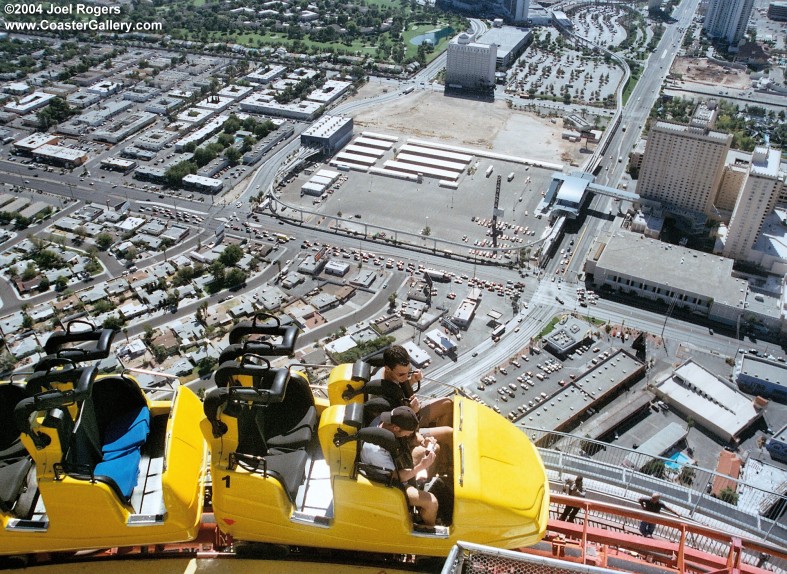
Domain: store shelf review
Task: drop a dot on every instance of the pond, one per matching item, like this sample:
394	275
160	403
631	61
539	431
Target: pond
432	37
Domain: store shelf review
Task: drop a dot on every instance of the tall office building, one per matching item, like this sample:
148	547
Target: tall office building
522	9
517	9
682	166
470	65
755	202
728	19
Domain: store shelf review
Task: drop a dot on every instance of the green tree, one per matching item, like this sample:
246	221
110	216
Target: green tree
56	112
687	474
173	297
93	267
230	255
102	306
160	353
226	140
655	468
147	336
182	276
232	125
61	283
206	365
175	174
234	277
233	155
203	156
217	271
104	241
7	362
80	233
48	259
729	495
30	272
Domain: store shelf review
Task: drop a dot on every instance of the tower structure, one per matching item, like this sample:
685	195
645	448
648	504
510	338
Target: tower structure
728	19
470	64
682	166
755	202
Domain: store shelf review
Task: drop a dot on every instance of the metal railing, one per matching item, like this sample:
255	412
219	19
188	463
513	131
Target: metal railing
607	539
608	471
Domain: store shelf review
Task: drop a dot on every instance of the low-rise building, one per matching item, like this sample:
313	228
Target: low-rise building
760	376
337	268
27	104
717	407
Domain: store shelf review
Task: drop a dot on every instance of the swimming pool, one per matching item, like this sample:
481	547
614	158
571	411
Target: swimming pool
677	460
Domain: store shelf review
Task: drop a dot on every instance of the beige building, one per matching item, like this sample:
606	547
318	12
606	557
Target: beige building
470	65
732	180
756	201
682	166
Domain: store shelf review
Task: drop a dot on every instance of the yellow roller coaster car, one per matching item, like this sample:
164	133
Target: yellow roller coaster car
102	465
285	470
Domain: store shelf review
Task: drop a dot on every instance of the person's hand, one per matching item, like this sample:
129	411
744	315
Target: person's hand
416	377
428	459
426	441
414	404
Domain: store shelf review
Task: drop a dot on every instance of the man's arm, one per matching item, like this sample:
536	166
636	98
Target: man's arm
670	510
407	473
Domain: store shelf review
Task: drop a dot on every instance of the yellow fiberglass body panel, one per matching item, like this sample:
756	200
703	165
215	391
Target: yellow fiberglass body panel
500	498
223	565
80	513
183	479
501	489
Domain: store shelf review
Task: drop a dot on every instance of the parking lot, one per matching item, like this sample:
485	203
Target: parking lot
462	216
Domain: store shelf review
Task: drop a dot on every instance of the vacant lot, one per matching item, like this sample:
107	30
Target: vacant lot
484	125
701	71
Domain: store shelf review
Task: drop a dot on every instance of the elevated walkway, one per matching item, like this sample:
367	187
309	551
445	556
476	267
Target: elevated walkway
606	477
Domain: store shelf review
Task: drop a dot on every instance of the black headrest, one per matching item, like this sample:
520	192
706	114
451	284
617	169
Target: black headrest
270	383
362	371
379	436
50	399
62	344
272	327
353	415
82	379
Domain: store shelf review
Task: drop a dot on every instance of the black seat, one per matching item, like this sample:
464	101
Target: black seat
281	413
275	416
15	463
291	423
10	445
16	466
267	330
113	426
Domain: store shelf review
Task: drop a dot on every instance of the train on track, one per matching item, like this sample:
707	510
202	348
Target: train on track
93	461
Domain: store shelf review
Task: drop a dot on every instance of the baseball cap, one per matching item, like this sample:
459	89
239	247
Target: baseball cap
403	417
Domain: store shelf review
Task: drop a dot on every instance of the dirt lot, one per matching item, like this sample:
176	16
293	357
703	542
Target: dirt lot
701	71
482	125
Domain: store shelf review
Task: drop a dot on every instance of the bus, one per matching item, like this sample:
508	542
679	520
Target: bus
281	238
408	89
